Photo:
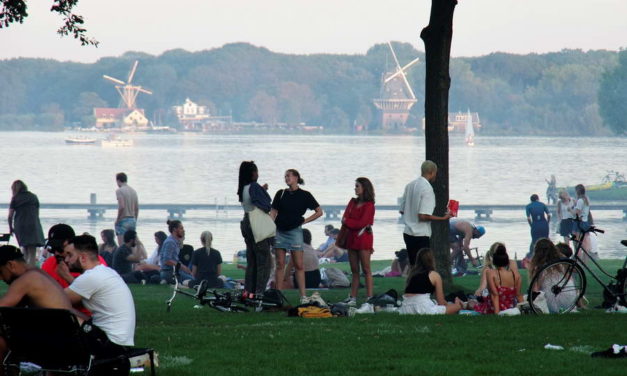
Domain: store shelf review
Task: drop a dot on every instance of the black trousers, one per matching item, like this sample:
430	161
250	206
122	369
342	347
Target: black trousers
415	244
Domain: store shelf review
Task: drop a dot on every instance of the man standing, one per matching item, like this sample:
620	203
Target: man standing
102	291
461	232
416	206
128	207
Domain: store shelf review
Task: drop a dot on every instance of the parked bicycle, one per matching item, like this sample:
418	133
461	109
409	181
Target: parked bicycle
563	282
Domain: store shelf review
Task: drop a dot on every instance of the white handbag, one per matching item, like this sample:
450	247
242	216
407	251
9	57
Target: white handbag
262	224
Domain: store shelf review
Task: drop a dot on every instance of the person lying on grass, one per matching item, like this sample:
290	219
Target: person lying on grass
423	281
503	284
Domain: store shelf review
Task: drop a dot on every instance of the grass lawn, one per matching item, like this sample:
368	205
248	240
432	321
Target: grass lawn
207	342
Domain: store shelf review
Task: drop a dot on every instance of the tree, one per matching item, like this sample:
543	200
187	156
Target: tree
437	38
16	11
613	95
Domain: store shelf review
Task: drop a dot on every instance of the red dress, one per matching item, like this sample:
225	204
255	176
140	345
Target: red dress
356	218
507	299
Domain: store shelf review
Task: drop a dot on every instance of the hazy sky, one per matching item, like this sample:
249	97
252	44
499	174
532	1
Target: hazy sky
317	26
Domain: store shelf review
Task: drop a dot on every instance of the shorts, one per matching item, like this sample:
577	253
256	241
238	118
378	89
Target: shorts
125	224
420	304
578	226
291	240
566	227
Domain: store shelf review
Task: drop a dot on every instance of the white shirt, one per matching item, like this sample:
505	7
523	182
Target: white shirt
153	259
417	199
584	209
106	295
564	207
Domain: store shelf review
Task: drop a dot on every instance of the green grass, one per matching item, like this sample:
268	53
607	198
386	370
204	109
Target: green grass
206	342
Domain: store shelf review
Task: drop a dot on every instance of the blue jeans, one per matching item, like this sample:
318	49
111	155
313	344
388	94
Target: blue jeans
168	275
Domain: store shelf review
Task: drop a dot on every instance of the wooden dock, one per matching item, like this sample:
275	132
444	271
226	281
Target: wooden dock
96	211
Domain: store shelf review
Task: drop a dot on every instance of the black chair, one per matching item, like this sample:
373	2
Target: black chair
54	340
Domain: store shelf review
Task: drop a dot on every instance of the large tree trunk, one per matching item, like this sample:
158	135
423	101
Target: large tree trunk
437	37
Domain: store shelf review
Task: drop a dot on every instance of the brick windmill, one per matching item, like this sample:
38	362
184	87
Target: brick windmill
396	97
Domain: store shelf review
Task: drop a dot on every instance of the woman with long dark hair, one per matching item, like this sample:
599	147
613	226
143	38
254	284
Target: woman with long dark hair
108	245
258	258
288	208
423	281
503	284
24	221
358	219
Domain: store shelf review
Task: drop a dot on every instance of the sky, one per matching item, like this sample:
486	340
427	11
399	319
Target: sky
316	26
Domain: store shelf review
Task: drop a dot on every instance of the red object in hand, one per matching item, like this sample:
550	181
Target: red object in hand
453	207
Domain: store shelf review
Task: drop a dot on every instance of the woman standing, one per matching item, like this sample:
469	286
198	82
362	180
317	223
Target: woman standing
358	219
538	217
24	221
258	258
581	211
288	207
564	206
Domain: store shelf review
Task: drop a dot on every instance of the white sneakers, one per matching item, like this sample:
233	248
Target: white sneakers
365	308
351	301
304	300
316	298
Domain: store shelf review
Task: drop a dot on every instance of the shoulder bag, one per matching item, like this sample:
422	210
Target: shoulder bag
261	224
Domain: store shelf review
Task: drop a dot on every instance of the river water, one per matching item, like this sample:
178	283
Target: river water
202	168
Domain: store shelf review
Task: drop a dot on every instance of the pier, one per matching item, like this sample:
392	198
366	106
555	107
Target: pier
97	211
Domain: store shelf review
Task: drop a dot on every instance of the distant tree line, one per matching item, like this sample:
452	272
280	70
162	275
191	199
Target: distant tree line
556	93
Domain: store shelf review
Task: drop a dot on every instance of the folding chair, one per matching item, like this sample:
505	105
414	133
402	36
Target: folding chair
52	339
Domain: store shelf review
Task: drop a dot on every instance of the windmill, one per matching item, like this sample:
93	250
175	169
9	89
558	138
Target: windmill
396	96
127	90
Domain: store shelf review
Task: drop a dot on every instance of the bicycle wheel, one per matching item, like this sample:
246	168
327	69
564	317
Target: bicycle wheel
557	287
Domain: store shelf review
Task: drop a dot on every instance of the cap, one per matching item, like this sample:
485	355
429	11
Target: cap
8	253
57	235
480	230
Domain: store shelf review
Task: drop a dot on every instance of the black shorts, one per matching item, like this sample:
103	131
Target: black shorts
415	244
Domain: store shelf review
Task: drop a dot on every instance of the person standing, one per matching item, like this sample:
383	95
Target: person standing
128	207
359	218
24	221
416	207
288	208
538	217
564	206
258	257
581	211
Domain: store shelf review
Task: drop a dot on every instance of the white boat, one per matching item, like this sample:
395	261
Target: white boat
470	131
115	141
80	140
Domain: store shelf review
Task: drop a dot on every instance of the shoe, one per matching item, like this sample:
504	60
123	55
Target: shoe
458	274
304	300
365	308
201	289
316	298
616	351
351	301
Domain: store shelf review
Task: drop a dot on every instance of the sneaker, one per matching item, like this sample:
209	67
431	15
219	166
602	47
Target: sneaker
351	301
304	300
365	308
316	298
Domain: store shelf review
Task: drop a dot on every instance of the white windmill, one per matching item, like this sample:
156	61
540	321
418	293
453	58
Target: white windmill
127	90
397	96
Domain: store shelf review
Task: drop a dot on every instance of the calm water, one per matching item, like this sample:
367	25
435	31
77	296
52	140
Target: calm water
195	168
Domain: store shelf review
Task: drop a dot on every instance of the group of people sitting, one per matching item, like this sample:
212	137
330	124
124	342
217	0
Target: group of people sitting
134	265
72	278
499	289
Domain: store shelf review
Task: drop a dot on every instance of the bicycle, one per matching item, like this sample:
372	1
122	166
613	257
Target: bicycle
563	282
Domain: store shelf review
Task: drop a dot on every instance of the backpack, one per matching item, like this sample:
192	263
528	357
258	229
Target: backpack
390	297
336	278
274	298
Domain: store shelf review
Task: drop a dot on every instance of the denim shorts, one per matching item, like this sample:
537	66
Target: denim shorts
125	224
584	226
291	240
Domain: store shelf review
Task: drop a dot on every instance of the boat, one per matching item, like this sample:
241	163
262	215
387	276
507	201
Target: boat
80	140
613	187
115	141
470	131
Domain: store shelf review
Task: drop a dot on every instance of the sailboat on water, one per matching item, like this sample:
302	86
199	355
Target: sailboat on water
470	132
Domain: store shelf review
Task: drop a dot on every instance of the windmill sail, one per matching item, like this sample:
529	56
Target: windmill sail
470	132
